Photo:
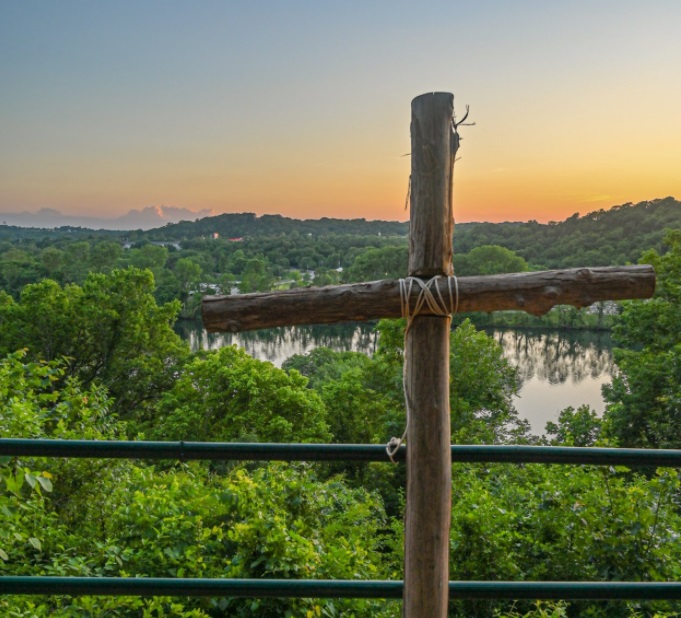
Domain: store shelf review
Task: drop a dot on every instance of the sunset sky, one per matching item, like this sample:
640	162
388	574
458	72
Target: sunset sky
303	108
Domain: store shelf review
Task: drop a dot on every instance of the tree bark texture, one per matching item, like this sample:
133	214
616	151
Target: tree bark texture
534	293
429	470
429	482
433	149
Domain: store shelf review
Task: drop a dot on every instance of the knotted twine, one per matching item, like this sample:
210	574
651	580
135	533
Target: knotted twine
437	306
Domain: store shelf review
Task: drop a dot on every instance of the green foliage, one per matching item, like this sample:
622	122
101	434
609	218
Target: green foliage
541	610
600	238
581	427
644	399
357	413
38	496
365	405
482	383
364	398
125	519
149	256
17	267
188	273
229	396
111	329
321	365
36	402
80	517
52	260
325	276
560	523
104	256
248	224
77	256
379	263
364	395
489	260
276	247
256	277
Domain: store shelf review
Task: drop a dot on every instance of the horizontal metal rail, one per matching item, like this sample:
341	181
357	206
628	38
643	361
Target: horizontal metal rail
292	588
182	451
262	588
518	454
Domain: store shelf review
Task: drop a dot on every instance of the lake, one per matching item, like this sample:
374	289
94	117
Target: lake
557	368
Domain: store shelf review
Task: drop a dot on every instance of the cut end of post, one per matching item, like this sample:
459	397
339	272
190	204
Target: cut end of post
432	166
438	95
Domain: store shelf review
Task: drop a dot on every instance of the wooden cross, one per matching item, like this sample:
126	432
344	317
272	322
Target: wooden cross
434	143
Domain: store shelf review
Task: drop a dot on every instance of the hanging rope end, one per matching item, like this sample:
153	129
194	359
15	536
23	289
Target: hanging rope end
392	447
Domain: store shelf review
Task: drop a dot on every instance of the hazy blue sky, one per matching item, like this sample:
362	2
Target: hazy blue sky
302	108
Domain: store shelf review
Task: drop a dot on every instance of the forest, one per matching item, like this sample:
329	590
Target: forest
88	351
245	253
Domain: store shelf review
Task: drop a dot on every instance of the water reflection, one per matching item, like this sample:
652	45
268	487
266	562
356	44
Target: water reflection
557	356
277	344
558	369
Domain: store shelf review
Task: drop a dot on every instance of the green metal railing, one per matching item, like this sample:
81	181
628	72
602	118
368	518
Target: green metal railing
261	588
334	589
234	451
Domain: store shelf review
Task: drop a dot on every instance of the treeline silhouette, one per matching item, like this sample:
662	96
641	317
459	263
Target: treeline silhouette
601	238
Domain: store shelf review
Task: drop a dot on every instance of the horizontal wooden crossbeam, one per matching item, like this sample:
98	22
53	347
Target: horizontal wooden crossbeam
533	292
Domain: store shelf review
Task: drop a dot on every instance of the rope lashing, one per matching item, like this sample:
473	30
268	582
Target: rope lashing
430	296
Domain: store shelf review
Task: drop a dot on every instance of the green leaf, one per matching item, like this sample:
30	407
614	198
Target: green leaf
3	554
45	483
10	483
36	543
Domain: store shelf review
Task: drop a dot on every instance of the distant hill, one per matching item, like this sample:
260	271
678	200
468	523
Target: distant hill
600	238
69	232
250	225
603	237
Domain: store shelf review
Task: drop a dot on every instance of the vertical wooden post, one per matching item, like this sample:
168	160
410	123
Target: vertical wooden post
428	512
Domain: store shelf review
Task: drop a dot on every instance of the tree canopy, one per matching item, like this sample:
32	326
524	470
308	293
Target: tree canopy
644	399
111	330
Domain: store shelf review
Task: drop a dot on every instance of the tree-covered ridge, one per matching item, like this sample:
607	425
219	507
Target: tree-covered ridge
619	235
263	253
233	225
40	234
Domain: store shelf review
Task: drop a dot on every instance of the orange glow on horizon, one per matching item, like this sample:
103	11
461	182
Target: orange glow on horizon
576	108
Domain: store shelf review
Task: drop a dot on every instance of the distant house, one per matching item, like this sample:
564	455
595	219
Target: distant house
216	235
239	239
